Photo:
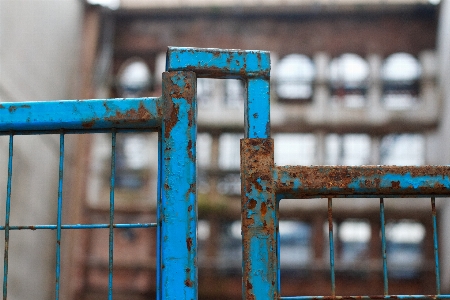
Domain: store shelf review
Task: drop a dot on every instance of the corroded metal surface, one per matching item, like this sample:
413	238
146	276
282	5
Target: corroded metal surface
253	67
178	212
367	181
372	297
219	63
80	115
259	220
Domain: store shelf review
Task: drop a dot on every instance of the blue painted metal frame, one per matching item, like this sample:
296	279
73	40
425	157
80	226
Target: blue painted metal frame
259	234
174	116
263	184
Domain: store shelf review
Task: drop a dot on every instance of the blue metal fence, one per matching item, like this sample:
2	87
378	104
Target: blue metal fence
174	116
264	185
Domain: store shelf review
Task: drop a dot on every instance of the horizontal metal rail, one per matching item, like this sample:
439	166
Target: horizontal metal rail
219	63
375	297
80	115
361	181
80	226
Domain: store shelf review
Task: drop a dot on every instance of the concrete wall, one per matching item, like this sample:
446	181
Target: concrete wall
39	51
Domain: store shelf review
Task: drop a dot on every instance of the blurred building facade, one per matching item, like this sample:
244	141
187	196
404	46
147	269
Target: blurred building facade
351	84
39	55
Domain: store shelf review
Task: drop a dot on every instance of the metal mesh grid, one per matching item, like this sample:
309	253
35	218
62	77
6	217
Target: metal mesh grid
59	226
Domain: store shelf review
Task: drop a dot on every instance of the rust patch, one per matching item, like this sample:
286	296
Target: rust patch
330	215
188	283
252	204
172	120
189	244
395	184
263	209
131	116
249	285
189	150
88	125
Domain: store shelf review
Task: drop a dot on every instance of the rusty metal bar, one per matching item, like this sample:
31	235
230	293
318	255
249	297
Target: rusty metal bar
259	220
331	244
383	248
7	215
435	246
80	115
219	63
111	214
259	213
80	226
158	218
59	215
178	187
363	181
374	297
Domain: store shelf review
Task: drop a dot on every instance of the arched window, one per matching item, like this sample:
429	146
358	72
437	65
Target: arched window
349	80
134	78
400	74
294	76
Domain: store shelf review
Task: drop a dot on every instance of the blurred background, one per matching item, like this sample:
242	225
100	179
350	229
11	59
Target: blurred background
353	82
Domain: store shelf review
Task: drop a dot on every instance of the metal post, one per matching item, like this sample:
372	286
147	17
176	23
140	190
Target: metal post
178	191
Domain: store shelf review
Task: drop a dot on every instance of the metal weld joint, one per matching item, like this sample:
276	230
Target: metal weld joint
259	220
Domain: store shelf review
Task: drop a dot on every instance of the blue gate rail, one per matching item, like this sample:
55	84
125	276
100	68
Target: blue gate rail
263	184
174	116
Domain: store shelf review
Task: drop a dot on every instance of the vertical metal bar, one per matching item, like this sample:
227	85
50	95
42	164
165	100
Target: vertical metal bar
383	248
8	210
331	242
259	220
278	257
111	214
158	220
59	216
436	247
179	190
257	108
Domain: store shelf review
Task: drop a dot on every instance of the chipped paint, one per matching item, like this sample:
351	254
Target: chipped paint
178	196
367	181
259	220
75	115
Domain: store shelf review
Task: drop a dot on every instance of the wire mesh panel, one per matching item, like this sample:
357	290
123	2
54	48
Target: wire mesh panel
173	116
264	185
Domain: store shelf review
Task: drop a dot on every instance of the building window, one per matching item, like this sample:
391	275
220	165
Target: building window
294	76
295	245
404	248
229	182
400	73
294	149
132	161
348	149
203	236
349	80
234	93
402	150
354	236
134	78
230	252
205	88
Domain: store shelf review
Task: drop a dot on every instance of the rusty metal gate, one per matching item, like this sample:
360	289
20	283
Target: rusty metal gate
264	185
